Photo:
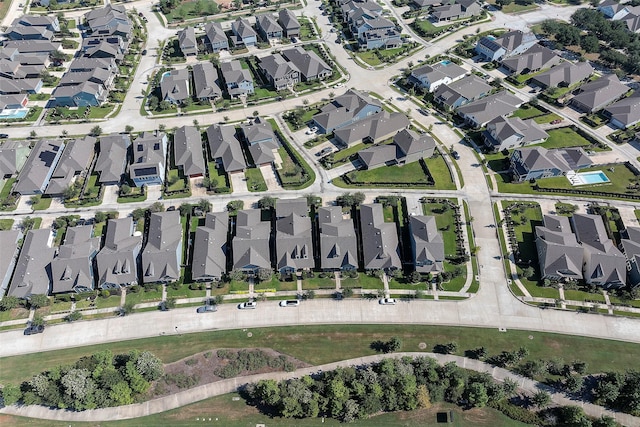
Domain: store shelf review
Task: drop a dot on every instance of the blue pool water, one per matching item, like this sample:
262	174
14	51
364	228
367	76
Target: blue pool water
445	62
597	177
165	74
19	113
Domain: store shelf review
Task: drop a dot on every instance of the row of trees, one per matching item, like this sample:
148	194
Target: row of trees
96	381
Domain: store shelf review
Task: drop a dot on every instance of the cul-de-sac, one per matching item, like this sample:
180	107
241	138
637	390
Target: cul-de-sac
305	212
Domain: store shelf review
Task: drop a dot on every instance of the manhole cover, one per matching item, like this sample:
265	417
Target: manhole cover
530	337
422	345
249	334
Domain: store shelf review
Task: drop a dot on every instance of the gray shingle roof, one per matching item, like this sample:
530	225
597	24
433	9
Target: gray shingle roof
373	127
427	244
9	250
243	28
381	249
187	38
505	128
338	244
276	67
215	33
251	242
12	156
626	111
72	268
111	161
469	87
117	262
308	63
210	248
148	152
224	144
187	150
205	81
41	162
268	23
32	274
345	108
559	253
534	58
377	155
288	20
294	246
161	257
488	108
409	142
285	207
76	157
175	85
600	92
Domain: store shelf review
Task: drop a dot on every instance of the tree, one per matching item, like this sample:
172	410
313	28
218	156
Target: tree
11	394
9	302
37	320
204	205
35	199
38	300
170	303
128	128
127	308
415	277
393	345
541	399
100	216
235	205
125	189
528	272
264	274
33	134
476	394
73	316
590	43
95	131
185	209
149	366
156	207
267	202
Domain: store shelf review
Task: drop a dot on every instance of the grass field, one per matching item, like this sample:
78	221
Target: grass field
527	112
42	204
328	343
564	137
255	180
411	173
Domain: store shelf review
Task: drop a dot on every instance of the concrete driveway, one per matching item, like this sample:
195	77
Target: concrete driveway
270	177
238	183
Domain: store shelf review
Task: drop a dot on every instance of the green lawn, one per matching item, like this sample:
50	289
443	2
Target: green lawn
343	155
620	177
196	107
327	343
93	187
100	112
306	29
6	224
547	118
410	174
444	219
185	292
179	181
440	173
514	7
426	29
42	204
192	9
255	180
319	283
369	57
143	296
218	175
564	137
363	281
527	112
290	173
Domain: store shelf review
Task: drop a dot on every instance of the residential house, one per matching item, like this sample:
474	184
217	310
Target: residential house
84	64
455	94
479	113
425	4
23	32
286	207
508	133
10	241
49	22
111	19
355	10
13	155
97	75
237	79
72	267
75	161
280	73
261	141
564	75
294	245
559	254
149	157
460	9
613	10
210	248
308	63
599	93
376	33
243	34
225	148
630	243
175	87
632	20
39	167
14	70
187	41
535	58
508	44
117	262
33	47
251	248
112	158
380	245
603	264
538	162
407	147
431	77
205	82
372	129
112	47
268	26
427	245
338	244
289	23
215	39
32	273
87	94
625	112
162	255
19	86
187	151
344	110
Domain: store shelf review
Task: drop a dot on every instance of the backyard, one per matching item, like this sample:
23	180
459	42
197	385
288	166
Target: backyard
218	179
255	180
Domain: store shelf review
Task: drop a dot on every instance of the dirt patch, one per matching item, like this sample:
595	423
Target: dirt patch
203	368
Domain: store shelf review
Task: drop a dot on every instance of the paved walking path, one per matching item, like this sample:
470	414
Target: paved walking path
218	388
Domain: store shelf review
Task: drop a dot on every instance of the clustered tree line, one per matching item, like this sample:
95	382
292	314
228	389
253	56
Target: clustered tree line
97	381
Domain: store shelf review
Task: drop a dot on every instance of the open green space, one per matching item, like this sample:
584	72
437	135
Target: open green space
565	137
314	283
179	11
546	118
513	7
343	155
410	174
6	224
426	29
527	112
42	204
328	343
364	281
440	172
218	179
369	57
255	180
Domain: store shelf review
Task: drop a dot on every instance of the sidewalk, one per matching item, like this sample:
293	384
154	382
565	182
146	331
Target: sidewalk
218	388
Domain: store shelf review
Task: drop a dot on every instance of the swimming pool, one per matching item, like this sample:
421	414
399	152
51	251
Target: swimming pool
445	62
16	113
595	177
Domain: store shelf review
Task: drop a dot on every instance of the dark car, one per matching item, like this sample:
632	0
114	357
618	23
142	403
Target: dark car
4	135
455	155
144	51
423	112
34	329
207	309
171	208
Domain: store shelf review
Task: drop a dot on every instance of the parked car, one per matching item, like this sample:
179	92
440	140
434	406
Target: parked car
290	303
171	208
312	130
423	112
455	155
4	135
324	151
247	305
338	86
144	51
207	309
556	121
34	329
293	39
387	301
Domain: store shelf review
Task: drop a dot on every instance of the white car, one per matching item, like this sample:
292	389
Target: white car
312	130
338	86
290	303
247	305
387	301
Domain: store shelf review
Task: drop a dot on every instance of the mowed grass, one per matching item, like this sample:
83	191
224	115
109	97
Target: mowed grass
329	343
564	137
411	173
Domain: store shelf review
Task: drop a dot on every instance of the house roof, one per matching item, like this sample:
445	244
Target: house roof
559	253
215	33
233	73
148	154
73	265
380	246
268	23
205	81
504	128
377	155
12	156
534	58
488	108
161	255
307	62
565	73
263	153
210	247
32	274
187	150
258	131
36	21
73	91
276	67
374	127
600	92
97	75
338	243
243	28
344	108
626	110
175	85
632	20
117	261
76	158
513	39
224	144
32	46
251	242
87	64
285	207
447	11
111	160
9	249
17	32
428	254
187	38
565	160
409	142
37	169
288	20
294	246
